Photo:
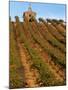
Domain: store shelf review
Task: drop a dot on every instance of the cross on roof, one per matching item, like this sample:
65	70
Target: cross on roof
29	8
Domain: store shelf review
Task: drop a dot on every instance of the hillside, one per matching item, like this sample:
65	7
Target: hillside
37	53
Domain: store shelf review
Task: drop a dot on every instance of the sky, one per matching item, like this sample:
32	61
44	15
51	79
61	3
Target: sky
44	10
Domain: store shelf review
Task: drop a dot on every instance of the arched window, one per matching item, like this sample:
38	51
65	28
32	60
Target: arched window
29	15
